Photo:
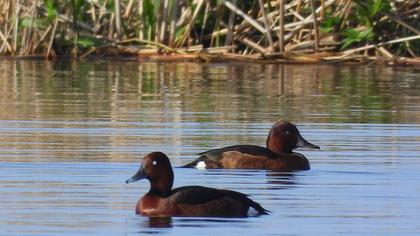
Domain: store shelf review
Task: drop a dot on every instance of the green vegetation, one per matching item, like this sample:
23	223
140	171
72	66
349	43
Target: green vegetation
278	30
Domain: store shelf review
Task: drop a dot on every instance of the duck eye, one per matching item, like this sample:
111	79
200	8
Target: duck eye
154	163
287	132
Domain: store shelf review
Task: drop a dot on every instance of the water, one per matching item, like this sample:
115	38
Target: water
72	133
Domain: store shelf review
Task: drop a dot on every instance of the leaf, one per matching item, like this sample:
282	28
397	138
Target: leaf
88	42
51	9
180	32
149	12
36	23
379	6
352	36
366	34
329	23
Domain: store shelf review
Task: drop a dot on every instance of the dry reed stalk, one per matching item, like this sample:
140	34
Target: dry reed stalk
410	11
117	5
111	26
128	9
230	26
23	41
406	25
214	37
30	39
267	26
281	25
248	42
6	17
410	51
164	21
190	24
385	53
141	25
220	50
296	14
346	13
42	38
352	51
195	48
148	42
93	14
203	26
315	23
8	47
102	10
52	37
244	25
172	27
298	7
16	8
238	11
308	20
307	44
11	28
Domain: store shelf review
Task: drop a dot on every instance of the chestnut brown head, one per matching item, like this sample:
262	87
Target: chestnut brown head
156	168
284	137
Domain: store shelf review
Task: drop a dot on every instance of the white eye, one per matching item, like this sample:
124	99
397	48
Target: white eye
287	132
154	163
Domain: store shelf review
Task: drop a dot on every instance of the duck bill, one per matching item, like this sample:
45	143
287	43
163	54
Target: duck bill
305	144
141	174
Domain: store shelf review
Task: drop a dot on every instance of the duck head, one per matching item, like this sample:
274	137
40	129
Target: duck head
156	168
284	137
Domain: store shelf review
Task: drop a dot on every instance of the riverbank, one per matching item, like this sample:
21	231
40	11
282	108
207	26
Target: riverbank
298	31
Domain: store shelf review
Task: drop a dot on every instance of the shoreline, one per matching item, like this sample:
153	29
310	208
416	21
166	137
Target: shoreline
206	57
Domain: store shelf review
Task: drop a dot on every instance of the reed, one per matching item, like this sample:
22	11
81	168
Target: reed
273	30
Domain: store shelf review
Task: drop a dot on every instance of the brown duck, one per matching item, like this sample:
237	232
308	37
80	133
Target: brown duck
278	155
162	200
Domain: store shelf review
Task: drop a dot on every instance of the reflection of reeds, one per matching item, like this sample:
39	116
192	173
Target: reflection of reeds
249	92
322	30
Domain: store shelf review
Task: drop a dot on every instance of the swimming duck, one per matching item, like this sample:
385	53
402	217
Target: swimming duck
278	155
162	200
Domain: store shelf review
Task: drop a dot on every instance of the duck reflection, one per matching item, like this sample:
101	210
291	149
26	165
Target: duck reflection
281	180
159	222
273	179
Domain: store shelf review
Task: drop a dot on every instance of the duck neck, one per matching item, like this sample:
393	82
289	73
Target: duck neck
162	186
276	145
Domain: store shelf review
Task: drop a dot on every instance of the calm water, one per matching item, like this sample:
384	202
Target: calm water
72	133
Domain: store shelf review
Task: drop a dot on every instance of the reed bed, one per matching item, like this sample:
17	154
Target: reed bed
260	30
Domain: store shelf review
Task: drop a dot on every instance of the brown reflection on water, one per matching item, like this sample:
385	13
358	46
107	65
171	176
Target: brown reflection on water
118	111
249	92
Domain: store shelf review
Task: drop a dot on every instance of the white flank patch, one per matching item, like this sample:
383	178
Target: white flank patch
201	165
252	212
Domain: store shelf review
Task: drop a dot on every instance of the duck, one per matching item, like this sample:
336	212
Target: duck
188	201
277	155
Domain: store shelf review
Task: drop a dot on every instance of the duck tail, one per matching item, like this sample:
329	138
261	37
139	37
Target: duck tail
190	165
194	163
261	210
